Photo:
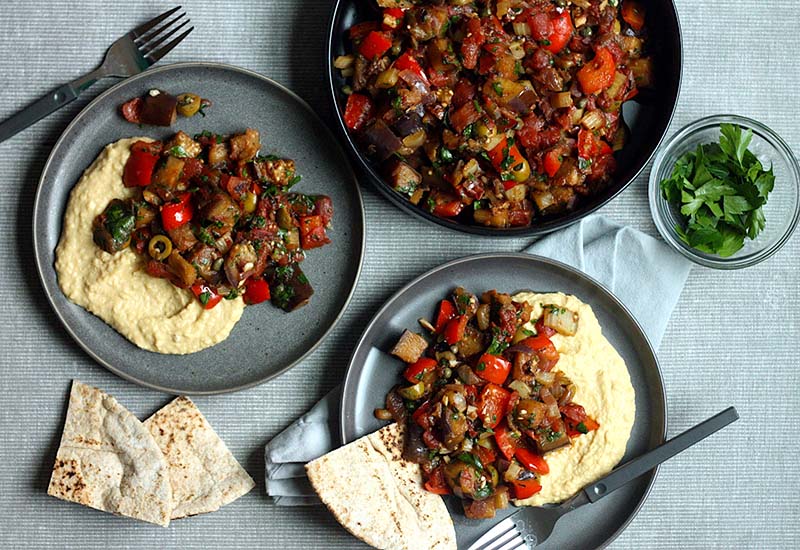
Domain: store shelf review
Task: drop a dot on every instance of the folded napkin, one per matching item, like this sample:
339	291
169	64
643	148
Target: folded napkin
632	265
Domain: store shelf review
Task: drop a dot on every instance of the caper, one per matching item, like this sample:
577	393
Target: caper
586	31
188	104
159	247
249	203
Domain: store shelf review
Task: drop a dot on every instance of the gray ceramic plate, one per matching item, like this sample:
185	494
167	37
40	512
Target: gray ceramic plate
373	372
266	341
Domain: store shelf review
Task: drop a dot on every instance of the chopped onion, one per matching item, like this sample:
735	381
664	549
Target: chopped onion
563	320
383	414
426	325
521	28
552	405
343	61
593	120
517	50
521	388
561	100
545	378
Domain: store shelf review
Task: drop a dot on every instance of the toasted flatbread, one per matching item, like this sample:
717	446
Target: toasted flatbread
379	497
203	472
109	461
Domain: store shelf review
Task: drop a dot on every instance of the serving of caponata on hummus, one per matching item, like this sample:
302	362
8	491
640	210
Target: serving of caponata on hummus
511	399
167	242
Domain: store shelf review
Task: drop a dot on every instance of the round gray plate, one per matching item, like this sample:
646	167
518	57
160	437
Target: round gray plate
373	372
266	341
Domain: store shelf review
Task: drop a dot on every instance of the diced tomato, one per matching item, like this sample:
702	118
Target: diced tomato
591	425
323	206
132	110
415	371
486	456
597	74
420	416
493	368
545	350
591	146
191	168
312	232
532	461
429	439
492	405
177	214
436	483
505	442
392	18
357	111
454	330
588	425
542	329
256	291
561	33
446	312
448	209
374	45
206	295
407	62
140	165
633	14
552	162
237	187
574	412
523	489
505	155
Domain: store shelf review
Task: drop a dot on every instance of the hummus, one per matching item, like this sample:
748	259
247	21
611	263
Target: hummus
152	313
605	391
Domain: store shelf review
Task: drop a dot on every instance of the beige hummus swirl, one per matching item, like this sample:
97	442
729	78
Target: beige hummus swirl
603	388
150	312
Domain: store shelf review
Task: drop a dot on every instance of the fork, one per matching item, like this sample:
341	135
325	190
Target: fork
528	527
131	54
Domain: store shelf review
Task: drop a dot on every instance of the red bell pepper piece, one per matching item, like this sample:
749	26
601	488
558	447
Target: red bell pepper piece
454	330
493	368
633	14
357	111
415	371
407	62
532	461
140	165
523	489
256	291
374	45
312	232
545	350
562	32
597	74
552	162
177	214
446	312
206	295
392	18
448	209
487	456
591	146
504	157
505	442
492	405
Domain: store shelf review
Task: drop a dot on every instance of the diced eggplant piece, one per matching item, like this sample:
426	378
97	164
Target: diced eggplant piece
453	426
159	110
471	343
181	145
467	375
408	124
169	174
182	238
466	302
244	147
553	438
112	229
289	287
479	509
409	347
396	406
279	171
144	214
218	153
404	178
184	273
203	258
380	141
223	213
240	263
414	449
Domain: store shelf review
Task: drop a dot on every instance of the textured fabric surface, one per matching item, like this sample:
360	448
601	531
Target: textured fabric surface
632	264
732	340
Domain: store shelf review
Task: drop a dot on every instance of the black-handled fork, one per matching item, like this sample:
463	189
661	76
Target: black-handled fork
129	55
531	526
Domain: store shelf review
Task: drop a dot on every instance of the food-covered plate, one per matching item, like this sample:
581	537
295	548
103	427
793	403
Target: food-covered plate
374	372
213	201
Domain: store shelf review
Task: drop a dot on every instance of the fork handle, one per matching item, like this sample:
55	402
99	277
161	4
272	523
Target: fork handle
640	465
38	110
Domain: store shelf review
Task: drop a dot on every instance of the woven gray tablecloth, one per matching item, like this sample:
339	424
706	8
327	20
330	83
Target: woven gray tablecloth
733	339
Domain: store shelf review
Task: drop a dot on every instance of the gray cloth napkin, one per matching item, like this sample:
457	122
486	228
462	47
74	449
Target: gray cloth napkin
632	265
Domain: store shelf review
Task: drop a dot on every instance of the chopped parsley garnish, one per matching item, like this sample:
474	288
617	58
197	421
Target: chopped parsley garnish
497	87
178	151
471	459
496	347
204	297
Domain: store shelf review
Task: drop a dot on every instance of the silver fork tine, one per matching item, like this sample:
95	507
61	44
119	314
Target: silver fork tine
492	534
513	544
152	45
153	57
144	27
502	542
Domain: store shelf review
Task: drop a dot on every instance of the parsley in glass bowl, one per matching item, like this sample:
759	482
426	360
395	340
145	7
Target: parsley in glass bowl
694	222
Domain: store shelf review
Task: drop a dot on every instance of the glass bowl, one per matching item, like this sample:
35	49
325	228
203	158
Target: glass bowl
781	211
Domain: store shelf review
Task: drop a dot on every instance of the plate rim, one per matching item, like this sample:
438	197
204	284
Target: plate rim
39	251
348	391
